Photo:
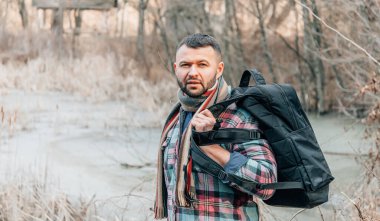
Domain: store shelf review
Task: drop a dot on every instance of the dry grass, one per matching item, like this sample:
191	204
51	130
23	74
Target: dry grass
106	71
33	201
28	198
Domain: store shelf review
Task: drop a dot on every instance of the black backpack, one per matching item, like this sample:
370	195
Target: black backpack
303	174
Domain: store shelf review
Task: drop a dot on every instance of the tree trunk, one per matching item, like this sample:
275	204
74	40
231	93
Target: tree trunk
57	24
228	71
57	28
307	43
232	46
264	43
301	74
122	19
165	40
140	35
240	49
78	21
23	13
161	27
204	20
317	61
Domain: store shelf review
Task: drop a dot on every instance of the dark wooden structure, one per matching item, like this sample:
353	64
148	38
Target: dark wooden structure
75	4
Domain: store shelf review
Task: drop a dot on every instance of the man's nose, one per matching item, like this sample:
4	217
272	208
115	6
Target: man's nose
193	71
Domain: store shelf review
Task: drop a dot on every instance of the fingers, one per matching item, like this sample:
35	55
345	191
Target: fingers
200	126
207	113
203	121
205	118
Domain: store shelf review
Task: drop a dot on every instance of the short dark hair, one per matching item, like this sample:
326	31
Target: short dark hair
199	40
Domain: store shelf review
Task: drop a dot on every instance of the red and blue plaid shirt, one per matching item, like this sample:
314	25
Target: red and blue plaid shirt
215	200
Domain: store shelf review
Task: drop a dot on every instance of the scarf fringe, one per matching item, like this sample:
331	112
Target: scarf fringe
192	192
160	213
160	210
181	198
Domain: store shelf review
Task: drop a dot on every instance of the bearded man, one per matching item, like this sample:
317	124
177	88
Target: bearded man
184	191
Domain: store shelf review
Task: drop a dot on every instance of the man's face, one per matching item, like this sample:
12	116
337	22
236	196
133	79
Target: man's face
197	69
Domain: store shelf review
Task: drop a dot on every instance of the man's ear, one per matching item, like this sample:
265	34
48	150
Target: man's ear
174	66
219	70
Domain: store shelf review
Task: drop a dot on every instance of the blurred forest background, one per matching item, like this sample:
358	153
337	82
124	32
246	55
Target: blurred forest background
329	50
124	50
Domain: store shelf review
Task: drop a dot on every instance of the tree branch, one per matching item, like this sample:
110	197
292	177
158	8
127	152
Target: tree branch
339	33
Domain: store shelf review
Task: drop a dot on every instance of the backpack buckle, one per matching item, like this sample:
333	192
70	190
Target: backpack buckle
222	175
254	135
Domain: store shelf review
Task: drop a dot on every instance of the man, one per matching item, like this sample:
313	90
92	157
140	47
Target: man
183	191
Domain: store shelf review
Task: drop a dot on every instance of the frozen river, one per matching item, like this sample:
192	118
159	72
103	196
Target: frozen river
108	151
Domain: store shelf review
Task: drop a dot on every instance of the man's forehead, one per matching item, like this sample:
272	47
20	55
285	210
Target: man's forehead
201	53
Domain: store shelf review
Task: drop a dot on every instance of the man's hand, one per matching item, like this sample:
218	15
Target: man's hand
204	121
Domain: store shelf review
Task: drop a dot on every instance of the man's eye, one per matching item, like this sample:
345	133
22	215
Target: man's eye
202	64
184	65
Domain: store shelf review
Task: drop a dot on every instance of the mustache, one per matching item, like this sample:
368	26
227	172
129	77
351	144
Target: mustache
193	80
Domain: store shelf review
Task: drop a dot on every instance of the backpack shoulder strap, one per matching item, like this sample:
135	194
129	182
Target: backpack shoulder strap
283	185
226	136
218	108
255	74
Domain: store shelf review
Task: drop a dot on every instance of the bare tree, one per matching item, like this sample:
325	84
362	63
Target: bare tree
160	26
57	23
233	49
301	74
264	41
23	13
187	17
312	46
203	21
227	29
123	18
317	61
78	21
238	33
143	4
259	9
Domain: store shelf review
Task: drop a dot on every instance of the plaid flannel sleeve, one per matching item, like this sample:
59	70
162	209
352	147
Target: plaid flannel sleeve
251	160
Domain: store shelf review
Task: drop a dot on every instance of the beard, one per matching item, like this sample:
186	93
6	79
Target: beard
205	86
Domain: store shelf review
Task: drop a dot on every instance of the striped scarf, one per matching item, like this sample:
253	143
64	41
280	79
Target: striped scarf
214	95
192	104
